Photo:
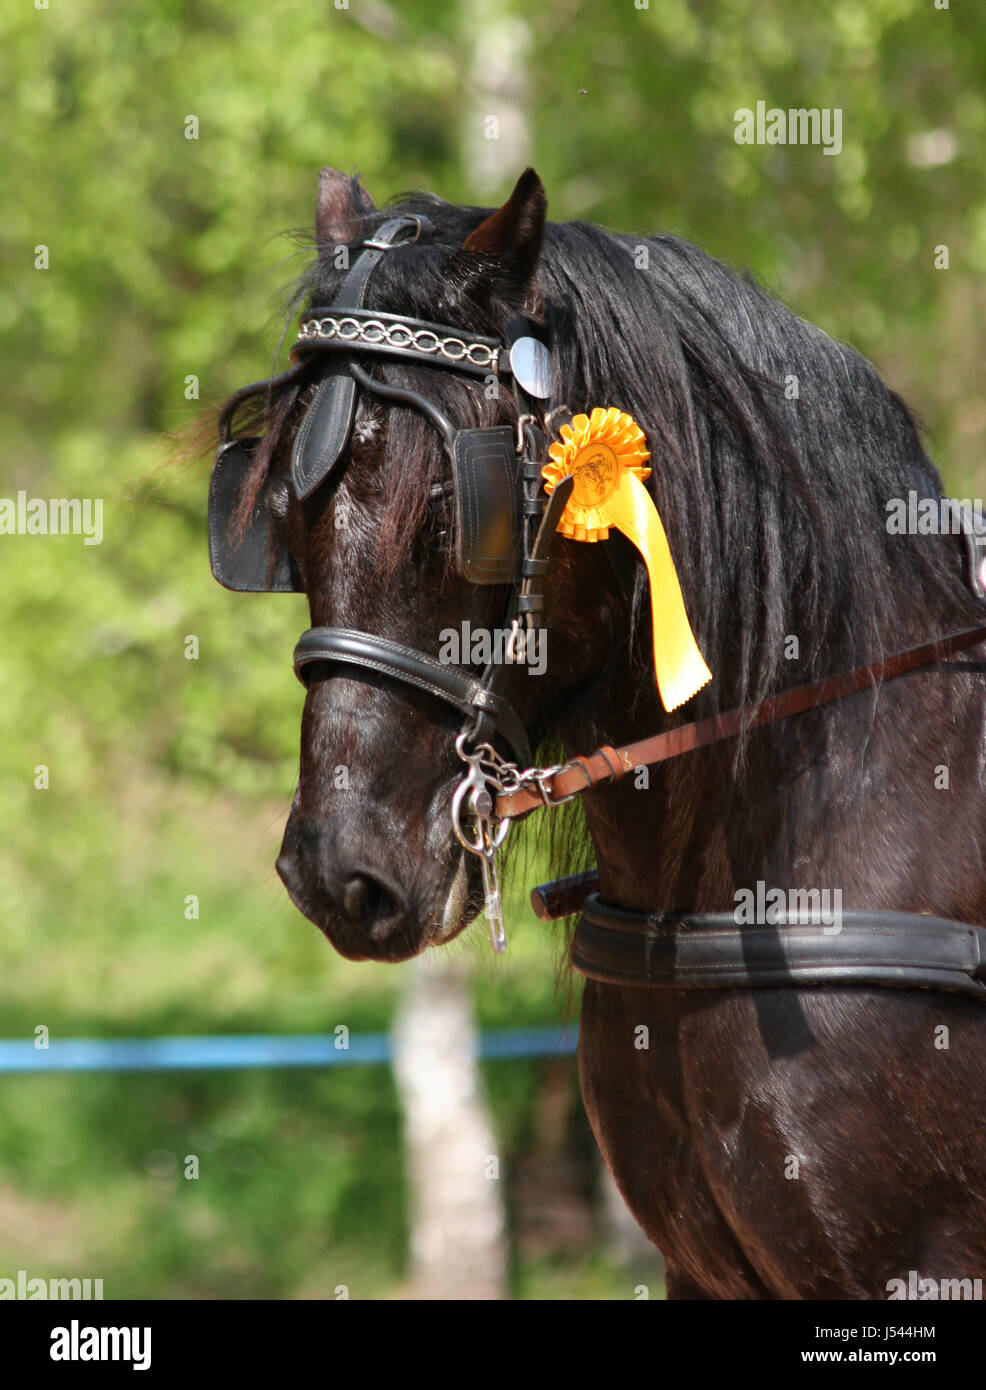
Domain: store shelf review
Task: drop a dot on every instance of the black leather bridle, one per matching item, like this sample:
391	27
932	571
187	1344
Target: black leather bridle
502	531
504	525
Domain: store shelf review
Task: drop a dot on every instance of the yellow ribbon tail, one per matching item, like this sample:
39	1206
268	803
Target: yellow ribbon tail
680	667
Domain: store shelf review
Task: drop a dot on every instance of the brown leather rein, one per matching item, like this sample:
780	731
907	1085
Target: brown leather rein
608	765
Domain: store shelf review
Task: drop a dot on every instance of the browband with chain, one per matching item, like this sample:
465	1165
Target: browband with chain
393	335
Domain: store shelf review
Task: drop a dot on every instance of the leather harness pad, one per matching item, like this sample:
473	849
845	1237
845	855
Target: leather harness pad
487	505
255	563
709	951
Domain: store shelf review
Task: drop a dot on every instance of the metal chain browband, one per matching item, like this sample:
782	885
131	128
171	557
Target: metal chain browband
383	334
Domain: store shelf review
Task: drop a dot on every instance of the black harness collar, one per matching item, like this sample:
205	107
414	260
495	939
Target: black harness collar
709	951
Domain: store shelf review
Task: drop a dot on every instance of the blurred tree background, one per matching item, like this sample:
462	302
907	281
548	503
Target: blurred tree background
167	262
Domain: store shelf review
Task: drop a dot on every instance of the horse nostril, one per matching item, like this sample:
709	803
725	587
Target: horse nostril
355	898
372	905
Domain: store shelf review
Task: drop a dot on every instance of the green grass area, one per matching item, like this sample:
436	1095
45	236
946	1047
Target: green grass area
301	1182
299	1185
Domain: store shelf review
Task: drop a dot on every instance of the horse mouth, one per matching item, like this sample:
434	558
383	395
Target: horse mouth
374	922
463	903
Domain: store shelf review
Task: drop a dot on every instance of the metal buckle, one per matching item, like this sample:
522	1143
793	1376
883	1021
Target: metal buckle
549	800
523	420
404	241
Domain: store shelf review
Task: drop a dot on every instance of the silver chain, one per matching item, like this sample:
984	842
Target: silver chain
477	826
503	776
376	333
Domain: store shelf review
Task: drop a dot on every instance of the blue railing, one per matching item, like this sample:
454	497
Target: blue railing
236	1051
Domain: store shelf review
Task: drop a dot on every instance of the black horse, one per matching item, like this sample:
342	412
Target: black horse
774	1142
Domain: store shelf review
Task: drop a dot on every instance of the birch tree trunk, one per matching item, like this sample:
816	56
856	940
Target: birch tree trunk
458	1243
458	1236
496	138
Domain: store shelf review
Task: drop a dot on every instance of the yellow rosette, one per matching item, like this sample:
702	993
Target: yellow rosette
605	452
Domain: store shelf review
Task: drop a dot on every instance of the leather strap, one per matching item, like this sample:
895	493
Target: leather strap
448	683
710	951
325	430
610	764
563	897
484	728
402	396
255	388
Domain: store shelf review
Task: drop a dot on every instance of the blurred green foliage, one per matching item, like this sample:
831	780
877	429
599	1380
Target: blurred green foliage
169	776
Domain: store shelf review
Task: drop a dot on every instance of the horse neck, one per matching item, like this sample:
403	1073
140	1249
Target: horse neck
848	797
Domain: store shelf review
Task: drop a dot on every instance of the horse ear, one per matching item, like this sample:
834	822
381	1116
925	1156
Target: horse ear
513	235
342	202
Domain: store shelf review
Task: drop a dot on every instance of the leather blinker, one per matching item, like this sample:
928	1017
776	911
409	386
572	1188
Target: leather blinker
256	561
487	504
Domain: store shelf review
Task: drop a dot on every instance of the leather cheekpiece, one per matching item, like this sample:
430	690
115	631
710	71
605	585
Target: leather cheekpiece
328	423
